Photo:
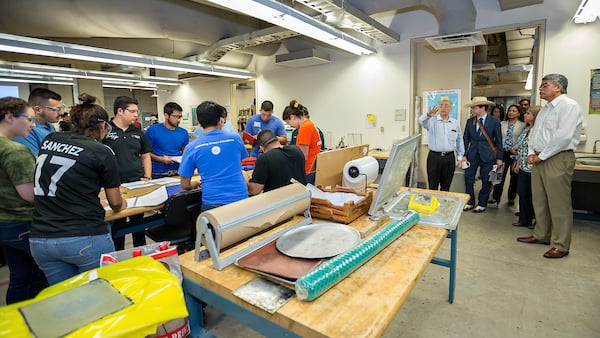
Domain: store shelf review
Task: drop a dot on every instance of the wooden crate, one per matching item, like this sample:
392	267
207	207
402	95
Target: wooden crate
323	209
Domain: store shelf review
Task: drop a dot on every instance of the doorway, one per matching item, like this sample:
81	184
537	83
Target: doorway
243	103
507	68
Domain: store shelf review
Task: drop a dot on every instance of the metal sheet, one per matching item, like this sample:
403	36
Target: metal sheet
318	240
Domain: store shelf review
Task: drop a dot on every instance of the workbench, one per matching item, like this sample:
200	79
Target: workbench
361	305
110	215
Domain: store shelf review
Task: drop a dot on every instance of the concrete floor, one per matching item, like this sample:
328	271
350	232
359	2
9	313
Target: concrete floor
504	288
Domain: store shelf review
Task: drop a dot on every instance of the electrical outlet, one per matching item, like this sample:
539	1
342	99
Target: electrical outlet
381	129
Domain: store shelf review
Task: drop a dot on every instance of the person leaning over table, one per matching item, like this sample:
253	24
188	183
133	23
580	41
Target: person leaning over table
523	170
276	166
17	168
479	152
551	144
167	139
217	156
48	107
265	121
444	138
72	169
132	150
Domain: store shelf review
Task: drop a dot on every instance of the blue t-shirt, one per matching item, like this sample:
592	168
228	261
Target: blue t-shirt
166	142
218	157
256	124
35	137
226	127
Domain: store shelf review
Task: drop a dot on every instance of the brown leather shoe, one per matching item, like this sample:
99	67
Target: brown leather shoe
517	224
555	253
531	240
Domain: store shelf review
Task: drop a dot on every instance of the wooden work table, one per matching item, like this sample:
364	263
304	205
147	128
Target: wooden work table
111	215
361	305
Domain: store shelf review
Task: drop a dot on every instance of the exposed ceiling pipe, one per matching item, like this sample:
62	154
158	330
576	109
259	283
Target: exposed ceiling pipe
452	16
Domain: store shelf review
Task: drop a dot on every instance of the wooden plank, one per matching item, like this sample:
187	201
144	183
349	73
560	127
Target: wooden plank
330	164
361	305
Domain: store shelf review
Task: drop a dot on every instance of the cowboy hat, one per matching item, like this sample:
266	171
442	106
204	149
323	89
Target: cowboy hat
479	101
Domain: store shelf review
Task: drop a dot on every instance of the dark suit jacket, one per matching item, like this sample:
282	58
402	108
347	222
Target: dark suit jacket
474	143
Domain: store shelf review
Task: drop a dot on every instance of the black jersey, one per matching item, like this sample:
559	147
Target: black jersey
128	145
70	170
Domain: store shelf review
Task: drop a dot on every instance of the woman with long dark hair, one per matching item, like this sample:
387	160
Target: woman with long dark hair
68	231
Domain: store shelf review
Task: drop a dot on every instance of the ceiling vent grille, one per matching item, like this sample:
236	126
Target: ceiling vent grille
302	58
461	40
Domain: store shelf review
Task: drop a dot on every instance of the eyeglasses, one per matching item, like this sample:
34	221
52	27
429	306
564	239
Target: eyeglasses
545	85
27	117
106	125
133	111
177	116
55	109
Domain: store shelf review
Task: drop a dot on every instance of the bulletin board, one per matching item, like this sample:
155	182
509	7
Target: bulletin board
595	92
432	98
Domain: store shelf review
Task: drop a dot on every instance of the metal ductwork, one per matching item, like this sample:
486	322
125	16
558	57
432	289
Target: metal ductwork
453	16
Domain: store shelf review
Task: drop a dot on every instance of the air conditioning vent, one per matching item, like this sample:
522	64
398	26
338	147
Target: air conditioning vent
302	58
461	40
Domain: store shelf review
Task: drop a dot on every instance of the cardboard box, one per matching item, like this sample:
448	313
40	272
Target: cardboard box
323	209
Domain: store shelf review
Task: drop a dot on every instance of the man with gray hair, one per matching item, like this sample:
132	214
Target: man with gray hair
551	145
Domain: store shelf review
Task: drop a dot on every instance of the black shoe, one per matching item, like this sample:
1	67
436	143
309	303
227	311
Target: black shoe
517	213
468	207
511	202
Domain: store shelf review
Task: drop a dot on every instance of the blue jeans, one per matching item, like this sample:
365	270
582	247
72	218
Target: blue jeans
63	258
26	279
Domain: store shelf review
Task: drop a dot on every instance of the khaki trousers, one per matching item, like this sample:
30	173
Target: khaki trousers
551	193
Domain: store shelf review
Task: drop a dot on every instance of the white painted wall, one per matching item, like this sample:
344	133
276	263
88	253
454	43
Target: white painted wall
341	93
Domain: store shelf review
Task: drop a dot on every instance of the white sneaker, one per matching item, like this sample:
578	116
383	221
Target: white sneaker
479	209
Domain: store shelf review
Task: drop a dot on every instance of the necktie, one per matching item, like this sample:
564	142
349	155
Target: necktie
480	125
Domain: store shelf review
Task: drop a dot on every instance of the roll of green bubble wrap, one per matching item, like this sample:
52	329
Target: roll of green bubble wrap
325	276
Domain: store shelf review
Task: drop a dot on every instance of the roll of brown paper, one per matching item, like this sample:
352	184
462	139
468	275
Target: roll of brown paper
256	213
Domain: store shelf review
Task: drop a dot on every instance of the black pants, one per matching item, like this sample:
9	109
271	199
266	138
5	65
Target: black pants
139	238
440	170
526	214
512	185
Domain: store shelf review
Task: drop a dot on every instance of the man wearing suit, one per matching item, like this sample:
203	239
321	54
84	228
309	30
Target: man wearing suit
479	152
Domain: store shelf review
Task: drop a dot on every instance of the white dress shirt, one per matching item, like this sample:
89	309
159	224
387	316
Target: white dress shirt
557	128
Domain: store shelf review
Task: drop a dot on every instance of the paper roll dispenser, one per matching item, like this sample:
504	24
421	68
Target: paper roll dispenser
226	225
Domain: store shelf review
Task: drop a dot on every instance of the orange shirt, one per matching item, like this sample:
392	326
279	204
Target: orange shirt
308	134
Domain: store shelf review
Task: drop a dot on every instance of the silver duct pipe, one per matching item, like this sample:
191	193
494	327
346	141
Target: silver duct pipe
452	16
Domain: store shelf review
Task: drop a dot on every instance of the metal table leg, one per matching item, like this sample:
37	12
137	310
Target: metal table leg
449	263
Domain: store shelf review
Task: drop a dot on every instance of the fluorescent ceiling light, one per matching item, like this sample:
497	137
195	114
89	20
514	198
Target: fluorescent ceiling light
587	12
35	80
26	45
16	68
124	86
281	15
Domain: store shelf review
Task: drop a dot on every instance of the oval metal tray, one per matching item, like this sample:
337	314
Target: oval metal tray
319	240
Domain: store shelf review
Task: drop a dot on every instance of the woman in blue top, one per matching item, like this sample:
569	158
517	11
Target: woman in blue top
217	155
524	172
